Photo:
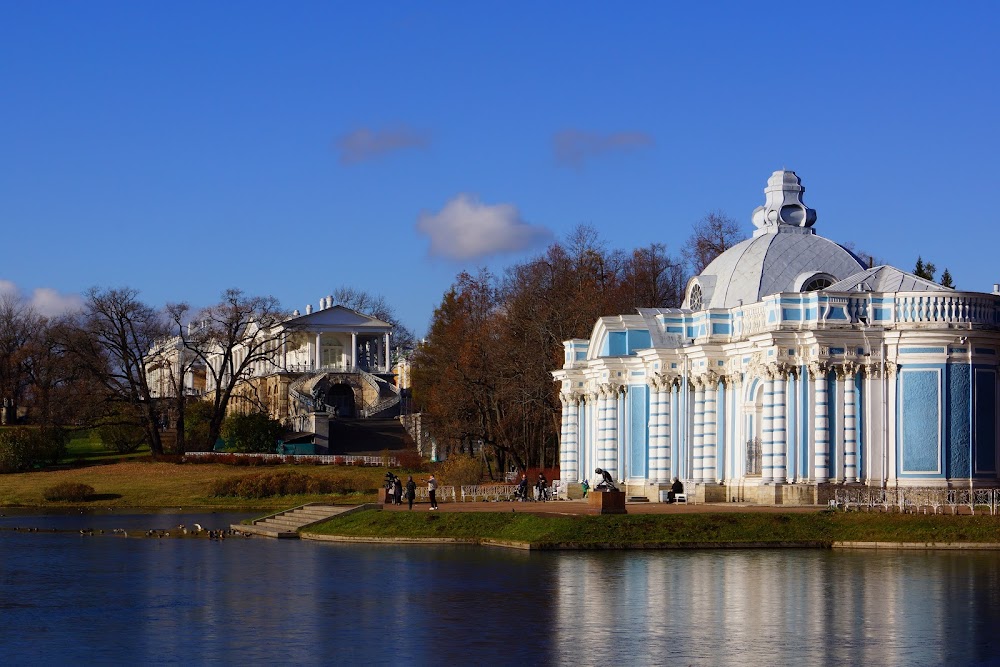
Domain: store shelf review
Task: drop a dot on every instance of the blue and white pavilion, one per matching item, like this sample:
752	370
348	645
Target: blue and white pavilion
791	367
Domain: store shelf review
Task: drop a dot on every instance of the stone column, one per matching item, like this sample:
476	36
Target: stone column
846	374
666	456
388	354
569	452
353	362
654	444
673	428
698	473
767	429
710	428
779	441
607	430
319	351
821	426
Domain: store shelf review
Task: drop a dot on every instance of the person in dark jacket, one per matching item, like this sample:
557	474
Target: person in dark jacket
397	491
411	490
675	488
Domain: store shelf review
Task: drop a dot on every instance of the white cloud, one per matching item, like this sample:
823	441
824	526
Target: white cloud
574	147
45	300
468	229
367	144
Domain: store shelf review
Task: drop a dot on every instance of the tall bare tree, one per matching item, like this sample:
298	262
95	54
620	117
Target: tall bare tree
234	339
712	236
115	335
18	322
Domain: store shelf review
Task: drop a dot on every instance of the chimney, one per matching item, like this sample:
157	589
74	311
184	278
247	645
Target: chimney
309	309
295	313
329	301
871	262
996	288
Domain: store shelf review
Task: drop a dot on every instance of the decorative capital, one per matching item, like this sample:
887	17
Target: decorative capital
818	370
846	370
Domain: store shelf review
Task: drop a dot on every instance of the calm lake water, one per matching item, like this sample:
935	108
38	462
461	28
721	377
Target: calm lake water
65	598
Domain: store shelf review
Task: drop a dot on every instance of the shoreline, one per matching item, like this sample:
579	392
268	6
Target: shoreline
654	546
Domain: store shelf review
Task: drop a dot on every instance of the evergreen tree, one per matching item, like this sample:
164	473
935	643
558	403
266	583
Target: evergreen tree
922	270
946	280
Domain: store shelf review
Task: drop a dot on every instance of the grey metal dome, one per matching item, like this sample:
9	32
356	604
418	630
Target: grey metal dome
784	254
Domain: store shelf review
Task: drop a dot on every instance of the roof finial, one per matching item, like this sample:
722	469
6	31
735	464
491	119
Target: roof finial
783	203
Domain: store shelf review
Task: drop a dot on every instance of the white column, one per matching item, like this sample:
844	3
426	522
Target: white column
767	430
319	351
699	432
388	354
655	424
612	432
354	350
673	427
666	442
710	431
821	425
779	441
850	425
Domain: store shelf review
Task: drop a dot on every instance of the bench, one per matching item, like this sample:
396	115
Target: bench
681	498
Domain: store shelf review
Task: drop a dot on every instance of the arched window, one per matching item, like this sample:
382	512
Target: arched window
694	299
816	284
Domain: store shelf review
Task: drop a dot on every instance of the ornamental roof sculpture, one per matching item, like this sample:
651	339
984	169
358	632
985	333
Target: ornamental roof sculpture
784	255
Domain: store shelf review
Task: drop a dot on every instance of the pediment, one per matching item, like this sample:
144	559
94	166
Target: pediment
338	318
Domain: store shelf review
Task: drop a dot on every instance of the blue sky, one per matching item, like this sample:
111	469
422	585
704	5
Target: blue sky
291	148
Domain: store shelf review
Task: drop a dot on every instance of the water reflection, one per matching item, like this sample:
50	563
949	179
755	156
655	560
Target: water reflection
66	598
788	607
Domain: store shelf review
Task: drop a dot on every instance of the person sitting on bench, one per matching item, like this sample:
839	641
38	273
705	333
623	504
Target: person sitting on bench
606	483
675	489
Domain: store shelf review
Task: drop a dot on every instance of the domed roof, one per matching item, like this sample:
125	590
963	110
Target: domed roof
784	254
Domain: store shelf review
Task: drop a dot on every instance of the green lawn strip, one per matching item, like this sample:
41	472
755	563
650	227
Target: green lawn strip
653	529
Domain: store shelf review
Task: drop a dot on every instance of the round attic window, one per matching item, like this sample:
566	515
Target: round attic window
694	299
816	284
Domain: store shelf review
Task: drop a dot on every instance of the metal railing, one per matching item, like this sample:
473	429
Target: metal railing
321	459
915	499
489	492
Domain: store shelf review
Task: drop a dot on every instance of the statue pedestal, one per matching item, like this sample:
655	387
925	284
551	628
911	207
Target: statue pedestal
607	502
385	496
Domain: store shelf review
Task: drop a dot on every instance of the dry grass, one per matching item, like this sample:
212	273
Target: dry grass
151	484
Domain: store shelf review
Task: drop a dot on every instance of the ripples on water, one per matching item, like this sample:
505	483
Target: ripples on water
107	600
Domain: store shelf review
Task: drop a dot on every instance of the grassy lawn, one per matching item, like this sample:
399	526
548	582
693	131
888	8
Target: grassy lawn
143	483
821	527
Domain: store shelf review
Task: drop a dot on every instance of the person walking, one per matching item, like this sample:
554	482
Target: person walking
432	486
397	491
411	490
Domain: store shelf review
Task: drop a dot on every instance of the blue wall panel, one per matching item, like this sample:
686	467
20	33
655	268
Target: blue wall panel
959	428
986	420
638	396
919	427
617	343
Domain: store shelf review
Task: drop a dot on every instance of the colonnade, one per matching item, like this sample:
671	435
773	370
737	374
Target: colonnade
808	422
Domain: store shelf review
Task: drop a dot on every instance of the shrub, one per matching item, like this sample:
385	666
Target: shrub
68	491
23	448
288	483
409	460
197	415
461	470
122	438
255	432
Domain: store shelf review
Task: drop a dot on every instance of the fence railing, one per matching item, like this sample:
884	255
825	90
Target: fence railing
915	499
489	492
322	459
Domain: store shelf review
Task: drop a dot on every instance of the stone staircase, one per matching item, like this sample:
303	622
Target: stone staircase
286	524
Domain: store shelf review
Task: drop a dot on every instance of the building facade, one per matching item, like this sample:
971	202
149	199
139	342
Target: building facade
791	367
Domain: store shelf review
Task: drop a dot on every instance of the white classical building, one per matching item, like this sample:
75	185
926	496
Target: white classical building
329	362
791	367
